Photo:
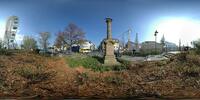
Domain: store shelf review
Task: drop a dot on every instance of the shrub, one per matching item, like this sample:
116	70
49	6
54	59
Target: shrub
101	68
193	59
188	71
34	74
124	62
114	80
87	62
94	63
2	79
5	52
197	46
182	56
1	65
161	63
129	53
119	67
100	59
82	77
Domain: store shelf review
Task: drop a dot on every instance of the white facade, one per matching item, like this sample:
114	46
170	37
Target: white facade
86	46
169	46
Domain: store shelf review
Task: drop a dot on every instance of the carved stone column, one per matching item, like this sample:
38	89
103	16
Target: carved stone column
109	57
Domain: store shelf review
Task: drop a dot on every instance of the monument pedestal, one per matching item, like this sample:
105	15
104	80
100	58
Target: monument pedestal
109	58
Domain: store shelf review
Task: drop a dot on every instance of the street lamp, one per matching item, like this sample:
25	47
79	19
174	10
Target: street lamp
156	32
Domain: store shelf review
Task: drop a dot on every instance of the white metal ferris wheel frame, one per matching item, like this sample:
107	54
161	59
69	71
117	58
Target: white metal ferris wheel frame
12	25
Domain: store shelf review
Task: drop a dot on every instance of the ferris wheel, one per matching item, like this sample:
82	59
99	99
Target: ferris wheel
12	25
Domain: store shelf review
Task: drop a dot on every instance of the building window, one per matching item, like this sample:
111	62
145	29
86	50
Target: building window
15	22
14	28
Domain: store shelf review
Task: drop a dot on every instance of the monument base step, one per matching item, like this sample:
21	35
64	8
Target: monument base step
110	61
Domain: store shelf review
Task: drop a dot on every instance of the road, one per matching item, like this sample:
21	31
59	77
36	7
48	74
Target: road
148	58
130	58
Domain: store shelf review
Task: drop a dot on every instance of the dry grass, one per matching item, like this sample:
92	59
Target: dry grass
175	78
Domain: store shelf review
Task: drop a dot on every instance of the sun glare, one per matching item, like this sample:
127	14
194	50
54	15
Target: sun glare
178	28
2	29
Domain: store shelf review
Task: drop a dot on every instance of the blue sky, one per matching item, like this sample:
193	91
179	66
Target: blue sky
142	16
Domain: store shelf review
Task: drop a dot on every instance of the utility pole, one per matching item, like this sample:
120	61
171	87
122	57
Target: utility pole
179	44
123	40
156	32
136	42
129	40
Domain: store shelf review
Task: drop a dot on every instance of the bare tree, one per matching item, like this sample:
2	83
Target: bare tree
29	43
72	34
59	43
196	45
1	44
44	40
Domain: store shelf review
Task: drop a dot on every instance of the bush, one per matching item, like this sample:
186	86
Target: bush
2	79
119	67
124	63
193	59
82	77
114	80
94	63
197	46
129	53
161	63
5	52
101	68
34	74
182	56
188	71
87	62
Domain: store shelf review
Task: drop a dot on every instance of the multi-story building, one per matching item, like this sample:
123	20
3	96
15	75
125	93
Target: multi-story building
169	46
149	47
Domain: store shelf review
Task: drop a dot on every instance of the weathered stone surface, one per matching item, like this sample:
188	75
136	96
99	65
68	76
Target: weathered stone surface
109	57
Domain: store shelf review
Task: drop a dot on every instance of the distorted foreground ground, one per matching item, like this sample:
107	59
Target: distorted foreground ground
32	76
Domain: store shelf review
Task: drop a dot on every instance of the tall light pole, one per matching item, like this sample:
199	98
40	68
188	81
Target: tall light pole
129	40
156	32
179	44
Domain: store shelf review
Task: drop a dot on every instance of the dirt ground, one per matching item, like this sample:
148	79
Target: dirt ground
166	79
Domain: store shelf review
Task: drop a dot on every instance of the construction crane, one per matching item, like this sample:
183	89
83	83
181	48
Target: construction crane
12	25
123	36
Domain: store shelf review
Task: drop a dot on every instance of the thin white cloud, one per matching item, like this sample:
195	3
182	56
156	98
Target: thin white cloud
19	38
2	29
179	28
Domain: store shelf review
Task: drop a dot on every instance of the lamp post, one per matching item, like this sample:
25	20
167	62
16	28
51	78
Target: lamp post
156	32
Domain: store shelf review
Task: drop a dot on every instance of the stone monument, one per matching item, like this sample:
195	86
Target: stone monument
109	57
